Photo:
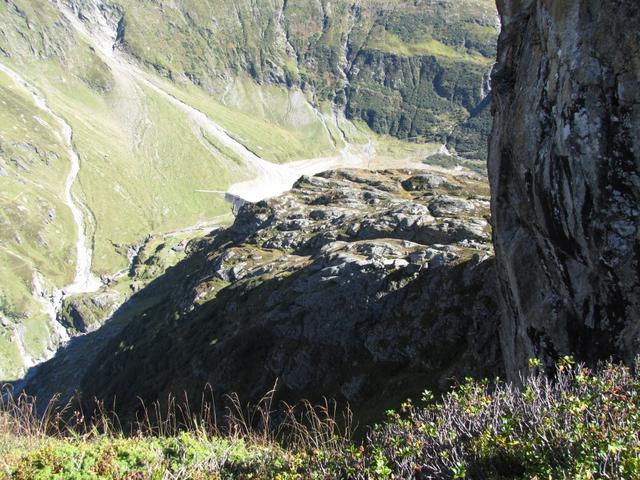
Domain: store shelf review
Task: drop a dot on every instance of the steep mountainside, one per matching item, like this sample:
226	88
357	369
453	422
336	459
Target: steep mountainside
363	287
411	69
369	287
128	120
564	170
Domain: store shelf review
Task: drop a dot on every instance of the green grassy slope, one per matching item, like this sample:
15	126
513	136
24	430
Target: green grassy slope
36	228
277	124
142	160
411	70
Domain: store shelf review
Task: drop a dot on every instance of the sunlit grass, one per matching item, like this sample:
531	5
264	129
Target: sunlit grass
389	42
576	423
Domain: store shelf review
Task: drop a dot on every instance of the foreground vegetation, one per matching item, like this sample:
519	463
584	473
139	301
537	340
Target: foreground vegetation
581	424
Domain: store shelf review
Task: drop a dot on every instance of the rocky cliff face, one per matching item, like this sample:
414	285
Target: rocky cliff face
363	287
564	164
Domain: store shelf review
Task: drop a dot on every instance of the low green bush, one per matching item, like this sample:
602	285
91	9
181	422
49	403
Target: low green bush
579	424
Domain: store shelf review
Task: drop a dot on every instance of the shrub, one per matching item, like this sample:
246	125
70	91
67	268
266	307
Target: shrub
580	424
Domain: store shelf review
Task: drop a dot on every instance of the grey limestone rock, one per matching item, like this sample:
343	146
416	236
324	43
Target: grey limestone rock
564	169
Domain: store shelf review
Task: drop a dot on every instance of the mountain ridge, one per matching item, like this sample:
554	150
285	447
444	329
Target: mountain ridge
322	287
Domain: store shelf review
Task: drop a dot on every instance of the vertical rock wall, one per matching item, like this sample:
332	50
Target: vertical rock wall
564	169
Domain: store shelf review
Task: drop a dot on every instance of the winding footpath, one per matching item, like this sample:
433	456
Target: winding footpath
84	280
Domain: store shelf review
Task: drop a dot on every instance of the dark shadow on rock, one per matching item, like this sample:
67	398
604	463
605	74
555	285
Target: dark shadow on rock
369	349
61	375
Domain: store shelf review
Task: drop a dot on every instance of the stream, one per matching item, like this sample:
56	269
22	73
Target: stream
84	281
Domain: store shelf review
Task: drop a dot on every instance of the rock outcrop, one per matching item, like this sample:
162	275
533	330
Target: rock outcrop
359	286
564	164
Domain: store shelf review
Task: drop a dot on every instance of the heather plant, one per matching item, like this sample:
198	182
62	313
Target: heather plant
577	424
